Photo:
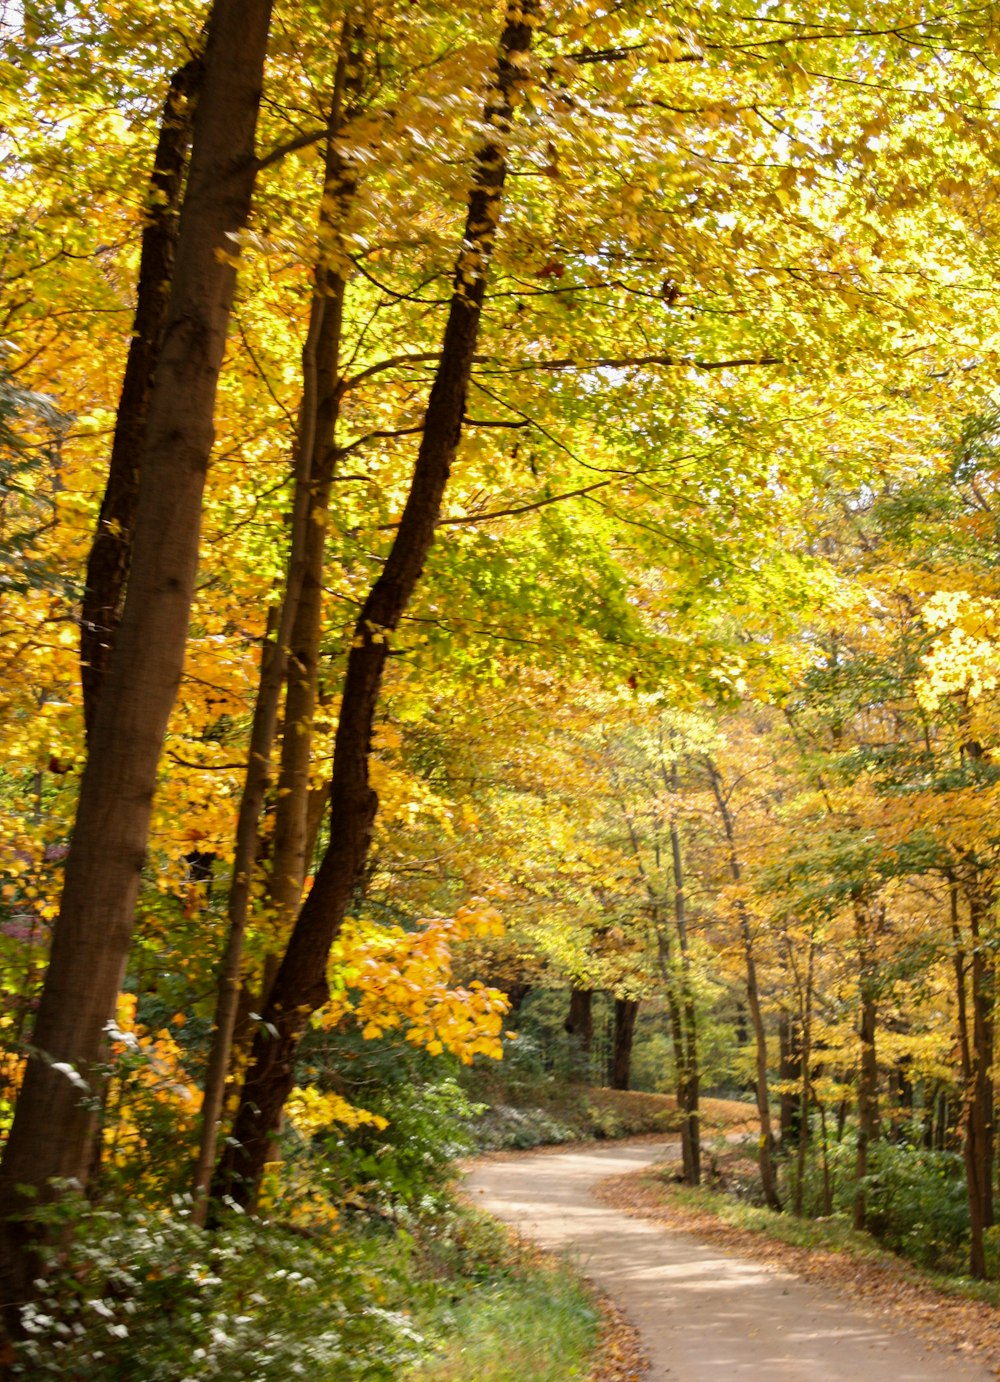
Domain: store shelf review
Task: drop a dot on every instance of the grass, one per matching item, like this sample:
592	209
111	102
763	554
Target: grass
540	1326
496	1309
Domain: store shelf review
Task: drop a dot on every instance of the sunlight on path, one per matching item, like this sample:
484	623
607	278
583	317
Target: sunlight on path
704	1315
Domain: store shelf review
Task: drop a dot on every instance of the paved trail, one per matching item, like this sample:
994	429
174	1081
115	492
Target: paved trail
704	1316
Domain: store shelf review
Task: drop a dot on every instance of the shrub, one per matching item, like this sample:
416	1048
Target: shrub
915	1198
407	1163
146	1294
916	1203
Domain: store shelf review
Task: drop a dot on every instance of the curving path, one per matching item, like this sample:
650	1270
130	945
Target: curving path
704	1315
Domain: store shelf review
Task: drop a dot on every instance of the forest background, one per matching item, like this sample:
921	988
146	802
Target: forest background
496	503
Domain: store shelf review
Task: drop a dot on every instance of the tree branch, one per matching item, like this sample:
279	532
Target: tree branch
568	363
301	141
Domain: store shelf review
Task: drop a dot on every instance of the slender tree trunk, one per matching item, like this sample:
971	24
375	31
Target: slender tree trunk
300	985
53	1126
626	1011
580	1024
806	1076
790	1074
766	1143
825	1152
867	1102
678	1037
292	837
298	625
688	1075
983	1007
977	1060
768	1179
868	1112
111	549
676	977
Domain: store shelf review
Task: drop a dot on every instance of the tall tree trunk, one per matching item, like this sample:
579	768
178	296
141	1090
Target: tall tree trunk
768	1179
53	1127
111	549
298	629
686	1058
580	1024
805	1094
977	1061
292	837
620	1073
790	1074
676	976
300	986
868	1116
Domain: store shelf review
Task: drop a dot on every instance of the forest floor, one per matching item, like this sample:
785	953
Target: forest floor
712	1303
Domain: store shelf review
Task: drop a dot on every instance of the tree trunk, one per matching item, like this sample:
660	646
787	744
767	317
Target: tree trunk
297	636
790	1075
292	838
805	1092
686	1057
53	1127
868	1115
580	1024
626	1010
300	985
111	549
768	1179
867	1103
977	1062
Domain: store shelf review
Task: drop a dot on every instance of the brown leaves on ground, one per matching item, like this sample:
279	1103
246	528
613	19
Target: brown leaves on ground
888	1287
620	1358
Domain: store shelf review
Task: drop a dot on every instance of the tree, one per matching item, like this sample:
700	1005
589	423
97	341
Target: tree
299	986
53	1129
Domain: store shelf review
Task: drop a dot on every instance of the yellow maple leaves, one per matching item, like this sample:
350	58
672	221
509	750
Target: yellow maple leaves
389	979
964	655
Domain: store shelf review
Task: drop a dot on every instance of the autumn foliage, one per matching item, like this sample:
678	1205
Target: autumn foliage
543	453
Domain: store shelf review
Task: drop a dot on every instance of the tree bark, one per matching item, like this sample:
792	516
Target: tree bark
686	1021
292	839
300	986
626	1011
296	641
111	549
868	1115
768	1180
977	1066
580	1024
53	1127
805	1094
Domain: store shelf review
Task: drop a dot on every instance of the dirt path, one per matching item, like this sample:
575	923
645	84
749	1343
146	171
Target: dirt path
704	1315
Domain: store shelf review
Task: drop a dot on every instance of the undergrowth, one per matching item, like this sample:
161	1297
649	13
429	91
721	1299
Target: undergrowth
446	1295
